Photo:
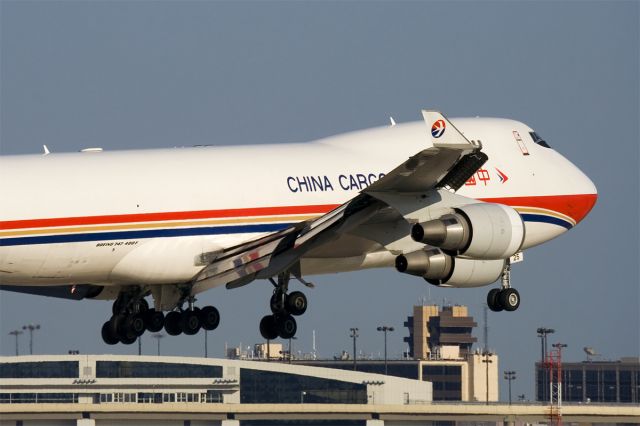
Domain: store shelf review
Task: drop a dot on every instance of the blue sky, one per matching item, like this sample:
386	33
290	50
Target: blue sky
124	75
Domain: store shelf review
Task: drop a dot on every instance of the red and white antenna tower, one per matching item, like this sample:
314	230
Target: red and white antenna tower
553	363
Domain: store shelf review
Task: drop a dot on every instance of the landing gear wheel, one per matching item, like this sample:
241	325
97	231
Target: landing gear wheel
133	324
109	337
189	322
268	327
172	323
209	318
118	306
276	304
286	326
493	300
153	320
296	303
509	299
128	339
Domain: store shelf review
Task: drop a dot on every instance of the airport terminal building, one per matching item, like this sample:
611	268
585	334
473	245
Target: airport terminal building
594	381
115	379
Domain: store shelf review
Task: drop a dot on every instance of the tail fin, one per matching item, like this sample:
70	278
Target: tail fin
443	134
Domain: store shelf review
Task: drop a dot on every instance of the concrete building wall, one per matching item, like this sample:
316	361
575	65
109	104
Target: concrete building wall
479	371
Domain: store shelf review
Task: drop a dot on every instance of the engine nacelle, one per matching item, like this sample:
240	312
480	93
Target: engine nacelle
430	263
440	269
479	231
471	273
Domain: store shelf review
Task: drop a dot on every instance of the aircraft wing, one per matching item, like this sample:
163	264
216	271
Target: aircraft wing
448	161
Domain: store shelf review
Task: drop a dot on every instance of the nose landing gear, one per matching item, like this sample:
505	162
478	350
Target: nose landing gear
504	298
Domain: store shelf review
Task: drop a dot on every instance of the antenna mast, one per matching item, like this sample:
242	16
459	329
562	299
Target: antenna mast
485	335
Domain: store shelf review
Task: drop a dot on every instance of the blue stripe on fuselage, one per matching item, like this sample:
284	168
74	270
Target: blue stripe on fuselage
528	217
183	232
141	234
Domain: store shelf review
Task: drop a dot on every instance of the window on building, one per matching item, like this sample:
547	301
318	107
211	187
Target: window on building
609	386
38	370
272	387
212	396
626	393
446	379
592	382
124	369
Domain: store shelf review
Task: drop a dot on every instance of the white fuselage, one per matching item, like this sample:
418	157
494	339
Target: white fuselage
112	218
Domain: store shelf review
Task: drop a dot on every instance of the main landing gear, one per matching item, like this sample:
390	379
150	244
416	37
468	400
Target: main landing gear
132	317
284	306
504	298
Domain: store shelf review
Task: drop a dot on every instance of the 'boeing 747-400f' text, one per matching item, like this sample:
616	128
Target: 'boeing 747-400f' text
454	202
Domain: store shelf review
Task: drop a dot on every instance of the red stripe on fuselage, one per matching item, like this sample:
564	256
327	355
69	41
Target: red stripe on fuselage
158	217
576	206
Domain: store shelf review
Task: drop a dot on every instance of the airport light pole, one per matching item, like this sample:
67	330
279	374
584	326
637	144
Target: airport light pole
31	328
16	333
158	337
509	375
354	335
542	334
206	345
487	361
385	329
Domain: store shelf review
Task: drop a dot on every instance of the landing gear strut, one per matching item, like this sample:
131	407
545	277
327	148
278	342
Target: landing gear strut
283	307
505	298
132	317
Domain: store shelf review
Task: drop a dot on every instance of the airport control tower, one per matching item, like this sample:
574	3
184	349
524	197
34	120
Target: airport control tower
433	329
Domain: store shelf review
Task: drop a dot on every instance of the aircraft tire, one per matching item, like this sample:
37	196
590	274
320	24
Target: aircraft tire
209	318
286	326
275	305
134	323
128	339
172	323
509	299
190	322
296	303
493	300
108	335
154	320
118	306
268	328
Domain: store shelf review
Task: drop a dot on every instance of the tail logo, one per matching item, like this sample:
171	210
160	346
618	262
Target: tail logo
438	128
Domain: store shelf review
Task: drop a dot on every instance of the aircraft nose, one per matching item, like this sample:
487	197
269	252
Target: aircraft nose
587	195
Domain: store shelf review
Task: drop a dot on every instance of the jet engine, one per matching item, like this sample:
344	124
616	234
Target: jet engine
438	268
479	231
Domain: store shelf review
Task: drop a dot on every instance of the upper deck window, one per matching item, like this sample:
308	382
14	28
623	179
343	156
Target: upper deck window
537	139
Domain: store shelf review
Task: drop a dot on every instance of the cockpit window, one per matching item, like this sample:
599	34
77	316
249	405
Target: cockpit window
537	139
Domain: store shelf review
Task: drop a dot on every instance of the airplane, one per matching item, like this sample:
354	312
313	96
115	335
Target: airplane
454	202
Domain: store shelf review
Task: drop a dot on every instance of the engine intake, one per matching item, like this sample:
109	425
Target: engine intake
479	231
